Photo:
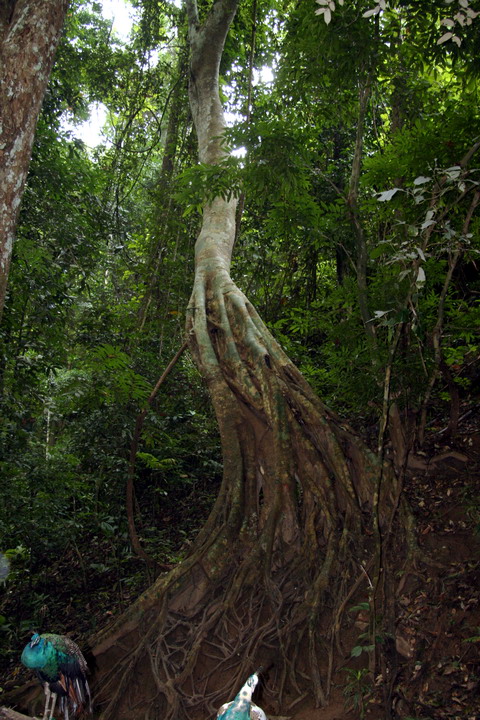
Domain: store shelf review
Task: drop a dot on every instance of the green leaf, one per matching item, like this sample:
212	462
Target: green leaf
387	195
379	250
444	38
360	606
421	180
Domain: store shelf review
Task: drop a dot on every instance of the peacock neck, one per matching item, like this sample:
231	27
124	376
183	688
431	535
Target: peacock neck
42	656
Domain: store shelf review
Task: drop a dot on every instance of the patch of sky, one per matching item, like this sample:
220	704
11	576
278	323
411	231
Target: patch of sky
263	76
122	16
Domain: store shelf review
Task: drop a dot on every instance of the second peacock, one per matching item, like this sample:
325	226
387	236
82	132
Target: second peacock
242	707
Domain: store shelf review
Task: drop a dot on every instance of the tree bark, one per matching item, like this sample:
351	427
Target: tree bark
29	34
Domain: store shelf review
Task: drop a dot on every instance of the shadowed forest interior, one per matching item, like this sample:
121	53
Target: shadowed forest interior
240	355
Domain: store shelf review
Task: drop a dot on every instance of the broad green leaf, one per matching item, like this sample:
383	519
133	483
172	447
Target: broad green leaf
379	250
360	606
421	180
387	195
444	38
427	223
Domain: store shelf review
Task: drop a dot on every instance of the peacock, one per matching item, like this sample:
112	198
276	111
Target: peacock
242	708
62	670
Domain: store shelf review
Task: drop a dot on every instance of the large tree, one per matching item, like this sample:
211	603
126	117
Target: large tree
301	495
29	34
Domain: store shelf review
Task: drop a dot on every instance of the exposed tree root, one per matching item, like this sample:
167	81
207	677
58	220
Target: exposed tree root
192	662
281	554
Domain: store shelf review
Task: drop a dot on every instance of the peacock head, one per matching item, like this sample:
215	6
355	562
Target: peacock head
35	640
252	681
37	653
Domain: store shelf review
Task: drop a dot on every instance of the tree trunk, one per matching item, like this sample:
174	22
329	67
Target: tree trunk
29	35
299	501
364	93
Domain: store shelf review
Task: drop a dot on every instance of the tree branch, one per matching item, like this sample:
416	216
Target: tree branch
468	156
9	714
241	199
438	329
364	93
192	15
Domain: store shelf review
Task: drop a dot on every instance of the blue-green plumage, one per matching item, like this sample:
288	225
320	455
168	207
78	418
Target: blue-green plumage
62	669
242	707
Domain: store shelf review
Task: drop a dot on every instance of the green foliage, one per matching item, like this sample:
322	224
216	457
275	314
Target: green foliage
417	131
154	463
359	607
358	687
114	378
99	283
202	183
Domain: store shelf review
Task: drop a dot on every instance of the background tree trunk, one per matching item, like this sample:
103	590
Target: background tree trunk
29	34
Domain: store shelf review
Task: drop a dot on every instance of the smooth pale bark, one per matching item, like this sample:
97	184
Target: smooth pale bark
215	242
29	34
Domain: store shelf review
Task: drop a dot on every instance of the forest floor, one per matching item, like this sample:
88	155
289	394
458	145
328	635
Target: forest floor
438	624
438	621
